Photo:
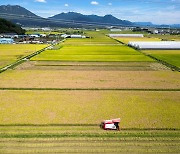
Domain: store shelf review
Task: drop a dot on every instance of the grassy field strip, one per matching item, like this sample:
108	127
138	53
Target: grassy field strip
171	57
90	139
88	142
97	58
166	60
91	89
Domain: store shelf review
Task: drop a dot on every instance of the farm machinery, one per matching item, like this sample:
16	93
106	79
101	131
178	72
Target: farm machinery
112	124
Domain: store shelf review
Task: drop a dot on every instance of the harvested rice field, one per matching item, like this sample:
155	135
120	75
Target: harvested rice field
85	66
86	139
90	79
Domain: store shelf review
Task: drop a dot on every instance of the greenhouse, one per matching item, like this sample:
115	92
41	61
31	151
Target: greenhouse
156	45
126	35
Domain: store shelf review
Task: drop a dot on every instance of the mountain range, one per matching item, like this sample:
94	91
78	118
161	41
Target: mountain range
22	16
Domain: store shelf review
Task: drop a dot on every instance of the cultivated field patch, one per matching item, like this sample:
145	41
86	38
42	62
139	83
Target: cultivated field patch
169	56
85	66
90	79
136	109
92	53
11	53
85	139
126	40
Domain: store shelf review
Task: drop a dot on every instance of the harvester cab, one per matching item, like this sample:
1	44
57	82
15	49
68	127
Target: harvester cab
112	124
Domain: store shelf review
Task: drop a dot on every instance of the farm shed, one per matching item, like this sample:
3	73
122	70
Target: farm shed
77	36
156	45
115	30
126	35
6	41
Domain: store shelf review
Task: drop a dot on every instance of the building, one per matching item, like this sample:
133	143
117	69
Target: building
115	30
166	45
126	35
6	41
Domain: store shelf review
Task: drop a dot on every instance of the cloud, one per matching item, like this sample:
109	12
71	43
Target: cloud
94	3
110	4
66	5
41	1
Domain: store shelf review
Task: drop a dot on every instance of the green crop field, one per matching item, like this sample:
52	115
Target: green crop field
170	56
11	53
93	53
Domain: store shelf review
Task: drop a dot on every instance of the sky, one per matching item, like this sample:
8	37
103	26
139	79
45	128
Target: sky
155	11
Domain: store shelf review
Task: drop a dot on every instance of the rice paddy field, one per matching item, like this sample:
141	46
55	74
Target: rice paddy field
126	40
11	53
92	53
75	107
170	56
54	102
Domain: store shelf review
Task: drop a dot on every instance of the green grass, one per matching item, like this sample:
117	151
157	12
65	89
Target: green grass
93	50
170	56
93	53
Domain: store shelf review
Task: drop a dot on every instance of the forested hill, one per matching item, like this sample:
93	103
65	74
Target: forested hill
9	27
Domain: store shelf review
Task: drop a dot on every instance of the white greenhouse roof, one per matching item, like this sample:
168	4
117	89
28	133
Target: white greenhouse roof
126	35
156	45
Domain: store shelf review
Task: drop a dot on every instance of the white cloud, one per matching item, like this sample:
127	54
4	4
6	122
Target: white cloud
110	4
41	1
94	3
66	5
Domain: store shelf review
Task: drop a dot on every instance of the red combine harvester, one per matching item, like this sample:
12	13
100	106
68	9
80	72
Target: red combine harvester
110	124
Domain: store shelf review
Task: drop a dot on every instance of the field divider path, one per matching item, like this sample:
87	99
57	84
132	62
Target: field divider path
91	89
25	58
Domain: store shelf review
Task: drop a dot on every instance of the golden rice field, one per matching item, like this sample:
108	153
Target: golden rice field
126	40
55	104
160	109
10	53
